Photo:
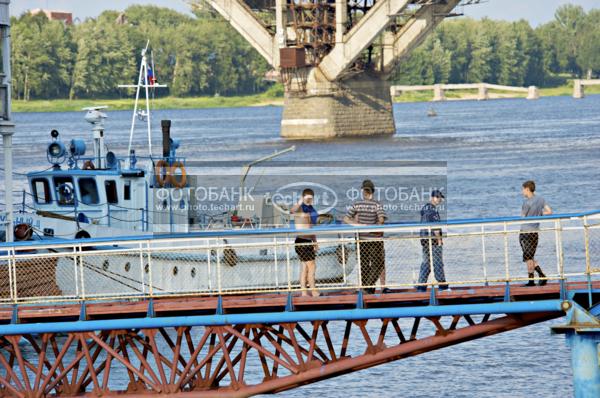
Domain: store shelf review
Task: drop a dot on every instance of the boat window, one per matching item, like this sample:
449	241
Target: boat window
127	191
88	191
65	191
41	190
111	191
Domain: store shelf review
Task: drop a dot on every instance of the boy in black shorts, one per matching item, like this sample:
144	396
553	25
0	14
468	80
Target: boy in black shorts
306	245
533	206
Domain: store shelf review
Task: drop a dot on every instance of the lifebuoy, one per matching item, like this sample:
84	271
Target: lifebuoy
161	178
89	165
172	177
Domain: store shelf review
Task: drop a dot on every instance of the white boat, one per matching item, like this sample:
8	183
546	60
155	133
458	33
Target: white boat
105	195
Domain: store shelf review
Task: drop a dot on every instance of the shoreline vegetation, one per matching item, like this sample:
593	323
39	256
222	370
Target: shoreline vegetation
273	97
205	64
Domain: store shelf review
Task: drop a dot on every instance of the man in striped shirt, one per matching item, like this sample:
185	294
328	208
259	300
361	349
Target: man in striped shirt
368	211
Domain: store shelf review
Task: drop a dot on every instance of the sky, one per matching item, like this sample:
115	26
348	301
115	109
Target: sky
535	11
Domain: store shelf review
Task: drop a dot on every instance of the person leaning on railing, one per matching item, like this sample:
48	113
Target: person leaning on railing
432	246
306	247
533	206
368	211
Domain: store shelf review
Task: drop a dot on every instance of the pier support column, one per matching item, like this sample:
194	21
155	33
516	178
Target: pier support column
533	93
578	91
582	332
438	93
585	350
360	106
482	93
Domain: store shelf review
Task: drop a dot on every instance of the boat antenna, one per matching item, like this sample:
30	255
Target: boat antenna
246	168
146	85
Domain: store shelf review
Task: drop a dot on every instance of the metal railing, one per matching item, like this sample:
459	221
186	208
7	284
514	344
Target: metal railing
408	256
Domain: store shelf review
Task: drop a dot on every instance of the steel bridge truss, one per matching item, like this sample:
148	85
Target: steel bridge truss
235	360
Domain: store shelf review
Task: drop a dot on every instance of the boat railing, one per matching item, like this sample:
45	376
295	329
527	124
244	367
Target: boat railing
474	252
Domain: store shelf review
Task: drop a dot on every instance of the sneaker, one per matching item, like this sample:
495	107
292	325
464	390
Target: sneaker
421	289
369	291
443	287
386	290
530	283
543	282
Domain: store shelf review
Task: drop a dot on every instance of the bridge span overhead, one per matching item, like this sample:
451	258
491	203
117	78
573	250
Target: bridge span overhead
334	56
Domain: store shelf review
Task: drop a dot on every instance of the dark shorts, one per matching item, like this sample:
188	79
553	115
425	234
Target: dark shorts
372	261
529	243
305	249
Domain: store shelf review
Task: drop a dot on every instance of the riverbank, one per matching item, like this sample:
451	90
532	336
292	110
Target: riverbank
272	97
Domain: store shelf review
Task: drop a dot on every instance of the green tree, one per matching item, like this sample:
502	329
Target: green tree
588	54
570	25
105	58
42	57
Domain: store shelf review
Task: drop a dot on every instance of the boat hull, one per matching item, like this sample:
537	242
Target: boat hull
198	271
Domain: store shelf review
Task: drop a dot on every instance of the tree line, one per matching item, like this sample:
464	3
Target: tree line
508	53
202	54
194	55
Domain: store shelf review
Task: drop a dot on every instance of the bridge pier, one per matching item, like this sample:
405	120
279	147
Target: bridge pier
582	332
334	57
585	349
360	106
578	90
533	93
482	93
438	93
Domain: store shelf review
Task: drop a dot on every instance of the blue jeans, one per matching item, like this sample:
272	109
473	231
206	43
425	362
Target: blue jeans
438	265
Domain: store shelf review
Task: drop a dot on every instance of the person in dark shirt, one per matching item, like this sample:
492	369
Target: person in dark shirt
432	246
368	211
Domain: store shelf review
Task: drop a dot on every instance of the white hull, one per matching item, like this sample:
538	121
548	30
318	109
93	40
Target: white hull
189	271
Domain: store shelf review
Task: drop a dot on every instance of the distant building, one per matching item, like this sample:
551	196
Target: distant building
54	15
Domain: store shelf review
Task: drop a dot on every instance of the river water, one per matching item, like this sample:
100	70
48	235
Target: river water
490	148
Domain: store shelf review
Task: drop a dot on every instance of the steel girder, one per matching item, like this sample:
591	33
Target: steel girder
230	360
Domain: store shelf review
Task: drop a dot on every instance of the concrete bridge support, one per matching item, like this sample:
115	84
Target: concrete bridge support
482	93
533	93
579	86
578	90
438	93
359	106
334	57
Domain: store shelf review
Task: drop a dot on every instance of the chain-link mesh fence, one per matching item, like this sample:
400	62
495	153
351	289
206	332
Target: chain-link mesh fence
397	257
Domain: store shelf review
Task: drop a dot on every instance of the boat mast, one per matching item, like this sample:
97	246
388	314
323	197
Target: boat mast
142	83
7	127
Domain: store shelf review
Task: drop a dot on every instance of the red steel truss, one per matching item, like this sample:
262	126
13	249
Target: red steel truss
230	360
